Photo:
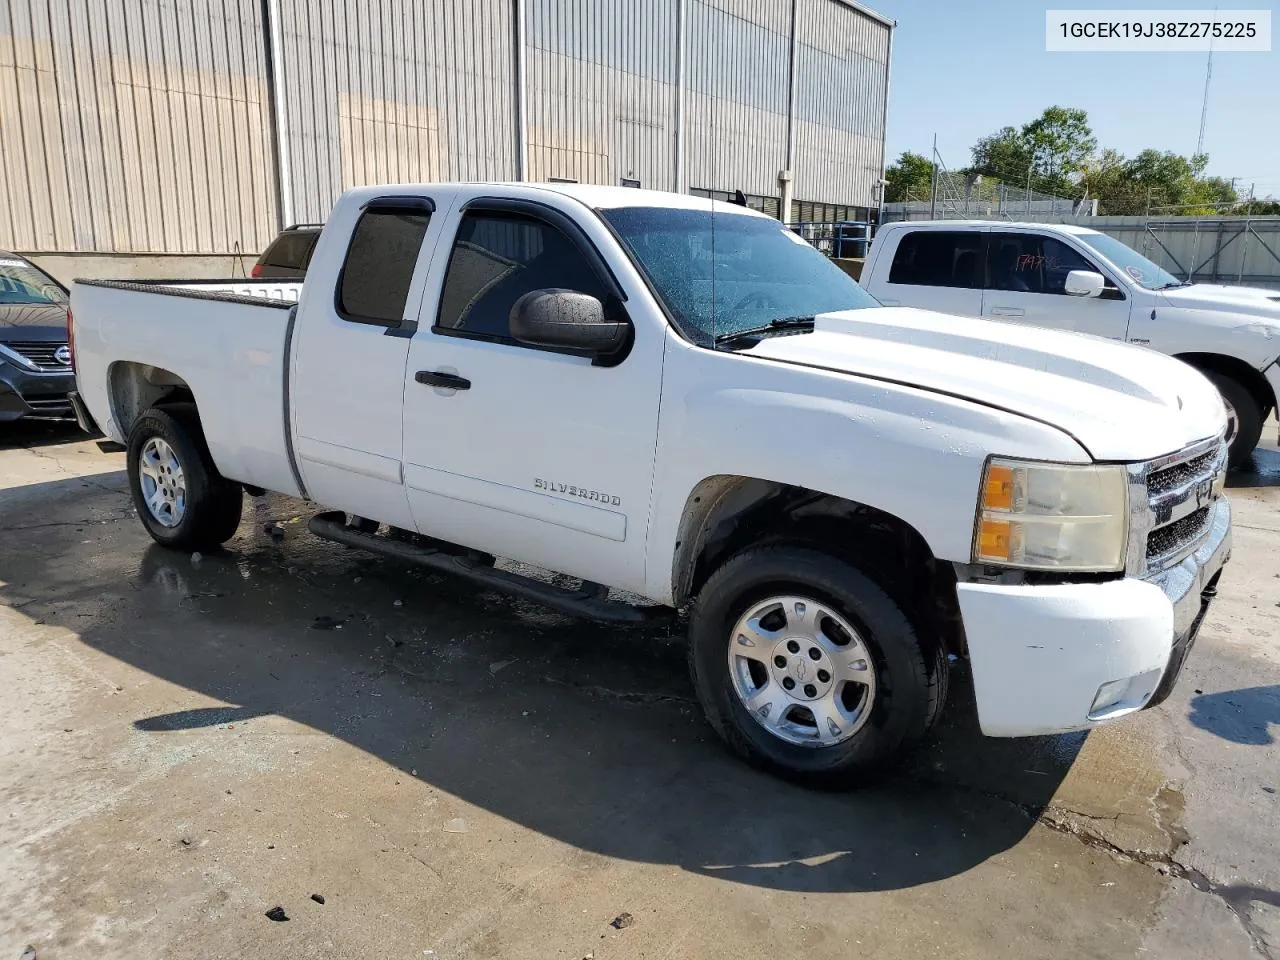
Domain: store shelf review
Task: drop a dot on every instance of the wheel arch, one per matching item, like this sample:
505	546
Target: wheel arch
1239	371
724	514
135	387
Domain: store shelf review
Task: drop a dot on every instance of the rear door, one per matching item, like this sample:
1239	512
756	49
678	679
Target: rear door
936	270
351	343
537	455
1026	274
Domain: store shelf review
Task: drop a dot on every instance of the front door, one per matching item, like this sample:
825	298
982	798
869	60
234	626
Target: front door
526	452
1026	277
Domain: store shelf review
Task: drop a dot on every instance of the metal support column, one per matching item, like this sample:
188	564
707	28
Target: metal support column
521	94
277	106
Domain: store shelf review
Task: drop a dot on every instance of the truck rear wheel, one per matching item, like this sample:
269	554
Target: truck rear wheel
181	498
1244	418
808	669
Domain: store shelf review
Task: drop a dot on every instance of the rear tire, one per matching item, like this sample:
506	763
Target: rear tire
182	500
813	732
1244	412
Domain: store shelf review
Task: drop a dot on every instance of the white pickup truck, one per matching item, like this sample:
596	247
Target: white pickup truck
1073	278
683	401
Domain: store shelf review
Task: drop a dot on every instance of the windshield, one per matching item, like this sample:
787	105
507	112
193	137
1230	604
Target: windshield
718	274
21	284
1136	267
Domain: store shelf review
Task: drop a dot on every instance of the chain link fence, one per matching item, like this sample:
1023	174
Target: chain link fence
963	196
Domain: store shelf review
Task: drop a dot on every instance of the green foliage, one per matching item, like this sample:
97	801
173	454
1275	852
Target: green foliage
1050	151
910	177
1057	153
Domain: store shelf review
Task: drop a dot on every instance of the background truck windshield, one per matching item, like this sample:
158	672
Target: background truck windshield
1135	266
723	272
23	285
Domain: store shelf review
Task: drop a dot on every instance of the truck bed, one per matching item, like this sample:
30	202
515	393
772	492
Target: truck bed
226	340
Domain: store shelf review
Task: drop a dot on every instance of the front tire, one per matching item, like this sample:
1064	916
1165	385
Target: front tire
808	669
1244	418
182	500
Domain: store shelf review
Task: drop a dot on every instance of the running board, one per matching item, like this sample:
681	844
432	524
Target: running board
590	601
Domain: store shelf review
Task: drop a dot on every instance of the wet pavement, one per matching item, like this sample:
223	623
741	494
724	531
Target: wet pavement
190	742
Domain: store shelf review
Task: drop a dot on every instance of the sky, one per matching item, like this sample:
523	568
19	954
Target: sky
966	69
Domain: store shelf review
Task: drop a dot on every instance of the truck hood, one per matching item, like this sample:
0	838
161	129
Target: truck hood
1120	402
1211	296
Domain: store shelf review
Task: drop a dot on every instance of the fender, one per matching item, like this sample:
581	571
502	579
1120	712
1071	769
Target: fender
908	452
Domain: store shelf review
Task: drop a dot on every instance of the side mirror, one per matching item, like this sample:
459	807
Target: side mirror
567	319
1084	283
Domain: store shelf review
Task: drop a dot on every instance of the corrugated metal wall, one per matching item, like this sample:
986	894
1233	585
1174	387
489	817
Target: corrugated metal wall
133	126
840	94
389	92
739	71
144	125
601	90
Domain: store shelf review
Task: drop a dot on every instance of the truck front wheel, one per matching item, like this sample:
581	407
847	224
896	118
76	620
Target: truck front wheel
808	669
1244	418
181	498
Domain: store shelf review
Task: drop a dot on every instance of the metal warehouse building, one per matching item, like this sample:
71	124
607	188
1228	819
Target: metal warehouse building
196	128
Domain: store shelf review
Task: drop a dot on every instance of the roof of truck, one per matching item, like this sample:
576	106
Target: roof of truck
1004	224
596	195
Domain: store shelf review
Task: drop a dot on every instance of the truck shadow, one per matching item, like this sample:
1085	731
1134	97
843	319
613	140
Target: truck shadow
1243	716
1261	470
38	433
586	734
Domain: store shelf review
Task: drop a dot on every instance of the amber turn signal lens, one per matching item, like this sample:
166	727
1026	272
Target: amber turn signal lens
995	540
998	492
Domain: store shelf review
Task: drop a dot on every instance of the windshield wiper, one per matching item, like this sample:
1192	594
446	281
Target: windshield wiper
776	325
1174	284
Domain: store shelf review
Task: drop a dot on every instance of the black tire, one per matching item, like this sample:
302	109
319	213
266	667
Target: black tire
912	672
1248	417
213	503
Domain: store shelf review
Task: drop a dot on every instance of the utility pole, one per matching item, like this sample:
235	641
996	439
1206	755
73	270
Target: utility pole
933	194
1249	209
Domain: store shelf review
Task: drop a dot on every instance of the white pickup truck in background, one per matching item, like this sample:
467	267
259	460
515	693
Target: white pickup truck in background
682	400
1073	278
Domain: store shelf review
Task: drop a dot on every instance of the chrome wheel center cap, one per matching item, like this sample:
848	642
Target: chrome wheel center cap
802	668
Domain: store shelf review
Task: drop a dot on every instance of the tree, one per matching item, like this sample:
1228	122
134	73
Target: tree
910	178
1051	151
1004	155
1061	141
1170	183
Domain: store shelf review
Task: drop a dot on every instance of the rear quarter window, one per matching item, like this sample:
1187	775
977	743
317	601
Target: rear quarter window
939	258
292	250
378	270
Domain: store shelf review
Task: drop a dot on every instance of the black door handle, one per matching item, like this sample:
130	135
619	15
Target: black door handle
438	378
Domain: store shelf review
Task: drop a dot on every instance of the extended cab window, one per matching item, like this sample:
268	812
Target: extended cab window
375	278
497	258
1032	263
937	258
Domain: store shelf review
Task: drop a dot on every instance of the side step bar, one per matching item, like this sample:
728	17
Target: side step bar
590	602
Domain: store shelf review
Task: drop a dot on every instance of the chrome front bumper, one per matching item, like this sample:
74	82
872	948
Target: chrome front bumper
1190	586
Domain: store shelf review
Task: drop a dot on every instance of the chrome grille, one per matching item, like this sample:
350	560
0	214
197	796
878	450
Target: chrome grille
1172	537
1171	500
1162	481
43	355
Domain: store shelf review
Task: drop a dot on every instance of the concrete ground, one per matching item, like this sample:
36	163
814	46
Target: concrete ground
189	742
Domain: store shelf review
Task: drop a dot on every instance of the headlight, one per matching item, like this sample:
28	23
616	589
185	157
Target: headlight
1048	516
